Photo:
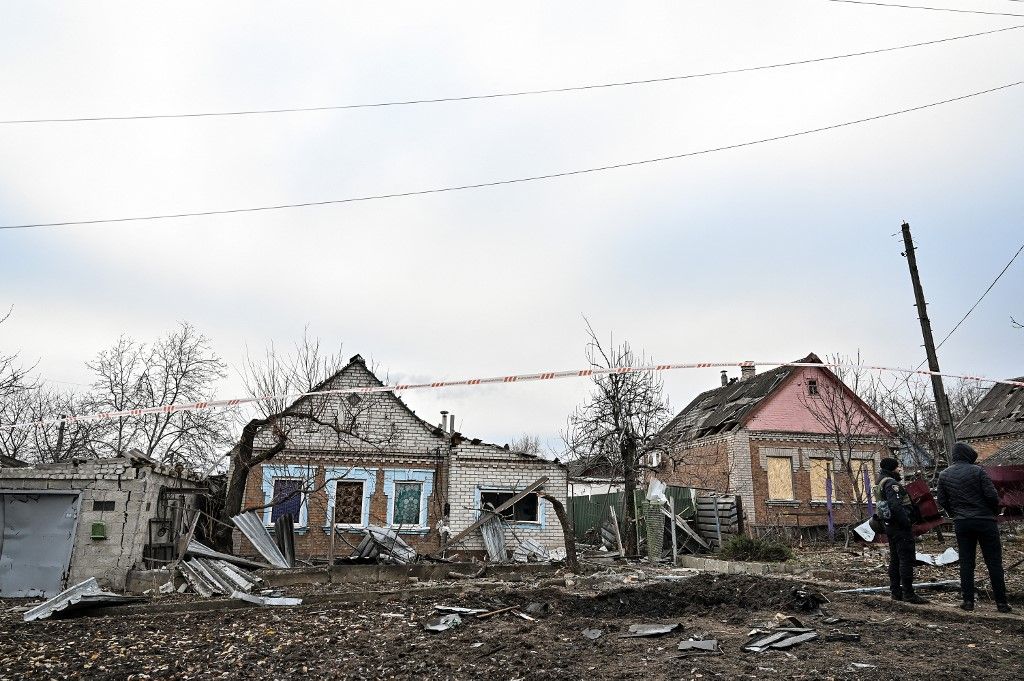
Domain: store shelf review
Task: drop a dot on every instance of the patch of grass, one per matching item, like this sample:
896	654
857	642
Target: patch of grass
746	548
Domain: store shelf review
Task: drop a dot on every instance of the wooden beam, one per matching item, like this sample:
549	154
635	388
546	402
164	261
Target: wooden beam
530	489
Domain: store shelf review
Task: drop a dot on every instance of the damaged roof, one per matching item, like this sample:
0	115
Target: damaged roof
1000	412
1009	455
724	409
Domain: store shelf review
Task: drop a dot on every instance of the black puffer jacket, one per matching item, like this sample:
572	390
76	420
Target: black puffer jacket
965	490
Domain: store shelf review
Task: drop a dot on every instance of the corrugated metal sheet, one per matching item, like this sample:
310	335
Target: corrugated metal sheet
202	551
253	529
1000	412
87	594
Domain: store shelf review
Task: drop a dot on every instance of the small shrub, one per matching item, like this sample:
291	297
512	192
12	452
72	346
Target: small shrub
742	547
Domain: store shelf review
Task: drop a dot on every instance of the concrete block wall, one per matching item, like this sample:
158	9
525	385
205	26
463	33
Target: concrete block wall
135	491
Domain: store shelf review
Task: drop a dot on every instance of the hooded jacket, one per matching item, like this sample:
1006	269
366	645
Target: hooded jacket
965	490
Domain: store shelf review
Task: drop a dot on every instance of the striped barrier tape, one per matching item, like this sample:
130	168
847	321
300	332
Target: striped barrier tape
516	378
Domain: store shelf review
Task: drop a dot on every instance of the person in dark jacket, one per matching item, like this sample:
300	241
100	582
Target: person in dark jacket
899	532
969	497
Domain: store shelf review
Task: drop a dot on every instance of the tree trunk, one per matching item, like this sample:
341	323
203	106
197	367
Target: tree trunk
242	462
568	534
628	453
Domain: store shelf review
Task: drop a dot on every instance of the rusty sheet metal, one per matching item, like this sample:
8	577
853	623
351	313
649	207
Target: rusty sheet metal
37	534
253	529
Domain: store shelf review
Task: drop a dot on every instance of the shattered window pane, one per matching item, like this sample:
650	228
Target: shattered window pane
348	503
407	503
288	498
523	511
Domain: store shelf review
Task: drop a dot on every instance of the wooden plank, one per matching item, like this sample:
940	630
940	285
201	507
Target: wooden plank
675	546
685	527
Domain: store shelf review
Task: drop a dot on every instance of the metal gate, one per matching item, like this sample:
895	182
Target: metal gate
37	533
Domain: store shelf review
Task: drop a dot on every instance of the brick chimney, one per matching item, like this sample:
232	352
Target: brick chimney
747	370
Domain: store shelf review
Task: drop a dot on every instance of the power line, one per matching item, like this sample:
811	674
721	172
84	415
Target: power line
934	9
978	302
498	95
518	180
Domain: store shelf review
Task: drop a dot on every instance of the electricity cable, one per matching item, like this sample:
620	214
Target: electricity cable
977	302
934	9
498	95
518	180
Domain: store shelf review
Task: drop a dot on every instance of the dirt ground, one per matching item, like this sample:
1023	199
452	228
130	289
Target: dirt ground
387	640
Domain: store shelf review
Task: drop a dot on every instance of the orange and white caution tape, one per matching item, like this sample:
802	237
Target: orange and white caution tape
516	378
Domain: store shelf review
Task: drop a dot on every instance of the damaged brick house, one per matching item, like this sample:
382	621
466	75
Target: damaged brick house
995	428
390	468
765	438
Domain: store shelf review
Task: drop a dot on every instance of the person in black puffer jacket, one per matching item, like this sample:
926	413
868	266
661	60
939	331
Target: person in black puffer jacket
969	497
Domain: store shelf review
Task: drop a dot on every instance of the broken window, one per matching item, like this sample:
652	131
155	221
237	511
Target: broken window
780	478
348	502
287	499
407	503
526	510
812	387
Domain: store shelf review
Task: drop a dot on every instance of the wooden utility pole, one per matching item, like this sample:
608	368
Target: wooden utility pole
941	402
60	437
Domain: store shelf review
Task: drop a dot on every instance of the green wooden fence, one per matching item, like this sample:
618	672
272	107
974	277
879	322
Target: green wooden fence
589	513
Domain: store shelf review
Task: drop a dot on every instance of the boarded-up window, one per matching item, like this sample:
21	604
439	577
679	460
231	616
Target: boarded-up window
819	478
526	510
348	502
407	503
862	467
287	499
780	478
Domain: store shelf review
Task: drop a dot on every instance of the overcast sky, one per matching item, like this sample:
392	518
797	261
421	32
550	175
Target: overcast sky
762	253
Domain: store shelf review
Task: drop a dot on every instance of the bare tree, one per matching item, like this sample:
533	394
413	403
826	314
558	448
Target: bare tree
847	419
179	367
49	442
618	420
527	444
909	405
354	423
14	376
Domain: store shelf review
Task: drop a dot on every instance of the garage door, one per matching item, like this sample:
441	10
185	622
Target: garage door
38	531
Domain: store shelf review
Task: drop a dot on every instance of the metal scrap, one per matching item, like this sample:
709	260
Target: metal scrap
265	600
388	545
493	533
443	623
700	647
252	527
785	638
644	630
202	551
529	548
81	596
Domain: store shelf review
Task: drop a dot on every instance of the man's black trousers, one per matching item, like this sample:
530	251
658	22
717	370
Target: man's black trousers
969	533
